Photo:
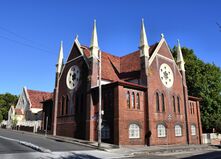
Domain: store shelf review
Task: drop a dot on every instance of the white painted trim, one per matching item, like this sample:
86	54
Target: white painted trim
156	51
82	55
35	110
103	82
166	58
61	71
173	59
74	59
78	46
27	95
68	63
27	103
81	51
19	99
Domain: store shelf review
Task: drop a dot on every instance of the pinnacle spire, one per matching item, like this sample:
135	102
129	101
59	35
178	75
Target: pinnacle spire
94	41
60	59
180	61
144	47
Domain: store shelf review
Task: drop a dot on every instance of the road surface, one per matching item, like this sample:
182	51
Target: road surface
10	149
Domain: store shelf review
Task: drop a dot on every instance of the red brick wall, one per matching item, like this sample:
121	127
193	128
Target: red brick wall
155	84
92	102
118	116
67	125
129	116
194	118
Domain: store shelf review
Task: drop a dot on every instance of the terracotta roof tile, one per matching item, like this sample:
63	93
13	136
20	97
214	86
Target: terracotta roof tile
36	97
110	66
115	68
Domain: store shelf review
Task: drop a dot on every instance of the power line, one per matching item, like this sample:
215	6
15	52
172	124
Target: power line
25	44
19	36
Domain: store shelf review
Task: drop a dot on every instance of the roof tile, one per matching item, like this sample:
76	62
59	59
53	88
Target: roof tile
36	97
116	68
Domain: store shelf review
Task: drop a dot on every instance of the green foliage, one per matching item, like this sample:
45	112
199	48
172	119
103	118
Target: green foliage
1	117
14	123
204	81
6	100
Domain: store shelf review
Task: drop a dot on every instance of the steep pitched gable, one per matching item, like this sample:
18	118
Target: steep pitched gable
75	51
36	97
23	101
165	51
162	50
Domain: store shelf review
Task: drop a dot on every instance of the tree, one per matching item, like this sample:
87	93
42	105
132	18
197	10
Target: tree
1	117
6	100
204	81
14	123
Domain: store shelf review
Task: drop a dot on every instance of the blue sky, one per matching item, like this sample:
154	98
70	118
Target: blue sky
31	31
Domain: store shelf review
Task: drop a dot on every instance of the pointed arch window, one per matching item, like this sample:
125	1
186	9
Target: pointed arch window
163	103
178	104
190	106
133	100
193	108
138	101
128	99
174	105
157	102
67	104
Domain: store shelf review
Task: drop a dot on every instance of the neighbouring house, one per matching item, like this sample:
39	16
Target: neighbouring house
144	95
28	110
16	113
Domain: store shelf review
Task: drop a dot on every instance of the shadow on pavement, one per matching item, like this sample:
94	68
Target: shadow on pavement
79	156
210	155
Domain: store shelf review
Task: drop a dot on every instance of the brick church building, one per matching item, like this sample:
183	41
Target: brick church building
144	95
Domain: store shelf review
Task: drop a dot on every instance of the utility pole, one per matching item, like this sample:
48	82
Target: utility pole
99	106
46	130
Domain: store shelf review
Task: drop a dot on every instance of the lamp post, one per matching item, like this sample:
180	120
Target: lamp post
99	106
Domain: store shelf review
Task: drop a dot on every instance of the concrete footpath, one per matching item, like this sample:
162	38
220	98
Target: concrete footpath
131	151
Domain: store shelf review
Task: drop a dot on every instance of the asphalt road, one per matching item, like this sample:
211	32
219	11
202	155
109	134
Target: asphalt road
14	150
42	141
11	149
8	147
